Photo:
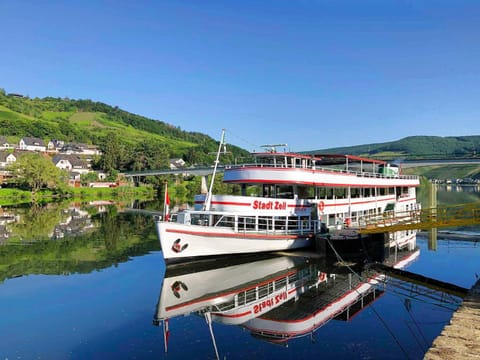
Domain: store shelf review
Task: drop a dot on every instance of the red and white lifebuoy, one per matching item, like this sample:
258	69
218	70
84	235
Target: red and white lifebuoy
321	206
322	276
348	222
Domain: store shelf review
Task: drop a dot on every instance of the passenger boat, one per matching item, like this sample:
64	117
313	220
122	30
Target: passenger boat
285	200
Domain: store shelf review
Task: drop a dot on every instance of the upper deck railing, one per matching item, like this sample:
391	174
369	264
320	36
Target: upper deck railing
313	168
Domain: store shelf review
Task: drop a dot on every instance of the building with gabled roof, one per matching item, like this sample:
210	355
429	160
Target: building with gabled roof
7	158
71	163
32	144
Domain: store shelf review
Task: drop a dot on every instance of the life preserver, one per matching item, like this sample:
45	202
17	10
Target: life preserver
321	206
322	276
348	222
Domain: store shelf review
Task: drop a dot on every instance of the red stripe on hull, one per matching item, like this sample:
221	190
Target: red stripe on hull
251	236
231	292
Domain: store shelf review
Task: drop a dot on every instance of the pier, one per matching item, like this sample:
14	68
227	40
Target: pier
460	339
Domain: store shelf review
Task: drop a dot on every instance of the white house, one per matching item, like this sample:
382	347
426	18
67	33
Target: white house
54	144
7	159
32	144
71	163
80	149
177	164
4	143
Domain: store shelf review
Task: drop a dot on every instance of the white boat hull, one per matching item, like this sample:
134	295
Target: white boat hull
191	241
194	291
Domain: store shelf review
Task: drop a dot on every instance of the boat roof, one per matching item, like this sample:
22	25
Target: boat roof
320	158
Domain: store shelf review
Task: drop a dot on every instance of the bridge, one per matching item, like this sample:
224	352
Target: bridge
208	170
199	171
430	218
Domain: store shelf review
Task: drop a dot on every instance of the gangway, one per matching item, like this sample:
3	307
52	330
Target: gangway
429	218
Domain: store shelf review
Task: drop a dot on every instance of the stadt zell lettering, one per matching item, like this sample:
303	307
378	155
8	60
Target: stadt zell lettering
269	205
268	303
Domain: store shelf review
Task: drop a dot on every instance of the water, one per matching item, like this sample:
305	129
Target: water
86	284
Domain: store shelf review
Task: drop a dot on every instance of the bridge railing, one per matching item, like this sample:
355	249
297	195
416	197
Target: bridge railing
445	216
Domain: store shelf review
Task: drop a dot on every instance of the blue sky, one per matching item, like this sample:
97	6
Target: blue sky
310	73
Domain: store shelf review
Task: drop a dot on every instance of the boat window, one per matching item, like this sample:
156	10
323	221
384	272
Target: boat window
224	221
340	192
263	223
284	191
390	207
199	219
329	192
321	192
331	219
246	223
250	295
306	192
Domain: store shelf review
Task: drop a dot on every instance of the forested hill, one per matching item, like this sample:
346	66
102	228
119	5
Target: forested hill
416	147
139	142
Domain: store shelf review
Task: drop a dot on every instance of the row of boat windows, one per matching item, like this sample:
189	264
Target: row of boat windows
309	192
255	223
260	292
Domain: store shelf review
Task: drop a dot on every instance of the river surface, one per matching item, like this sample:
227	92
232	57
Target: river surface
87	281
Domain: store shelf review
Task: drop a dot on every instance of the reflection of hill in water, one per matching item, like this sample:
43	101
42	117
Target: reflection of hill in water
73	241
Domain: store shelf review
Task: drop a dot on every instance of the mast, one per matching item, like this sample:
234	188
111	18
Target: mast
208	198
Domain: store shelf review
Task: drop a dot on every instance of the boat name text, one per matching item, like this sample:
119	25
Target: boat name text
268	303
269	205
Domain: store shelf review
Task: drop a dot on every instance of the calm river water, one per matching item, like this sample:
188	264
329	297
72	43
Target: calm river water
87	281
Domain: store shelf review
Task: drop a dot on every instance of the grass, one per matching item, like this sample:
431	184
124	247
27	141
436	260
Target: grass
10	197
53	115
84	118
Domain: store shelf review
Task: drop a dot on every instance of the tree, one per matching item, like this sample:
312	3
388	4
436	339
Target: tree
35	172
113	152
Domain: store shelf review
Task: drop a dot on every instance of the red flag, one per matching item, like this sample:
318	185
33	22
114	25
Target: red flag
167	204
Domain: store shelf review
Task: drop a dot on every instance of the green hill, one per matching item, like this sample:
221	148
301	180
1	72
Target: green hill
140	143
415	147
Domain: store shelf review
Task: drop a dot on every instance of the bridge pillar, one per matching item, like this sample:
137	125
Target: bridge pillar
204	186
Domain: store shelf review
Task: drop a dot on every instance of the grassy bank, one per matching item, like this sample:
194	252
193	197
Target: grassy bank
17	196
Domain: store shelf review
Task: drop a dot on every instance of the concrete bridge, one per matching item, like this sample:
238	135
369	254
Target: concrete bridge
207	170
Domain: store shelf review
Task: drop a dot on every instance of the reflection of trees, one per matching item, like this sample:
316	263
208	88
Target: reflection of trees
37	222
117	238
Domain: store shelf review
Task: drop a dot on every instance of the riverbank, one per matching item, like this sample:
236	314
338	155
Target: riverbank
17	196
459	339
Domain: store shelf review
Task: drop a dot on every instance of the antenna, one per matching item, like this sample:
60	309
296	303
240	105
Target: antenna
272	147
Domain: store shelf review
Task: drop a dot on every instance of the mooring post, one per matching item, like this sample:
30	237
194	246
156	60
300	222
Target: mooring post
432	203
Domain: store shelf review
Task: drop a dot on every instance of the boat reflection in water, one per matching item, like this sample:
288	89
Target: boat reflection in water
276	298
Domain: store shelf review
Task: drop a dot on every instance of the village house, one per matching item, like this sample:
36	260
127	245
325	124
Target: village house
71	163
32	144
7	158
79	149
4	143
55	145
176	164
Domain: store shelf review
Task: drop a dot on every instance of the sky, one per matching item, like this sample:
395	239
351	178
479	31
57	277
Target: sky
313	74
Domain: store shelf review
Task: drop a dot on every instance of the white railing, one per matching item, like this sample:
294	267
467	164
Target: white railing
323	169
